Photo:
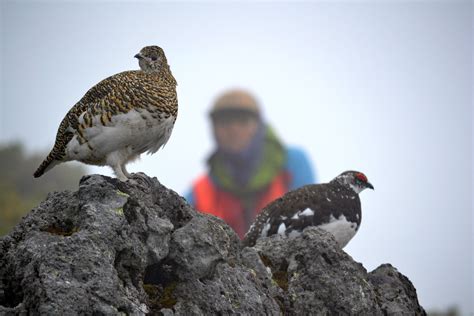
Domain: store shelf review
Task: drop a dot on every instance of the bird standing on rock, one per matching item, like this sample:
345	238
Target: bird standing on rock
334	207
121	117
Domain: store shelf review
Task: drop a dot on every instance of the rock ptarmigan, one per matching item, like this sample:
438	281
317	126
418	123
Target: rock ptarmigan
334	207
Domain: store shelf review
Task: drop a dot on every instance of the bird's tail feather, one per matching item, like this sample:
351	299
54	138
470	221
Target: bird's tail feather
46	165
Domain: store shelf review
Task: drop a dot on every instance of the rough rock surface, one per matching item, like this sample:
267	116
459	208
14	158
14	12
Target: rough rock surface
138	248
316	276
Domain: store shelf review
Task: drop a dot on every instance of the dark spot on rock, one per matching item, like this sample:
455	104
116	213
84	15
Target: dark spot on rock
127	265
281	278
62	228
124	309
265	260
162	273
279	273
10	293
326	258
160	297
281	304
159	283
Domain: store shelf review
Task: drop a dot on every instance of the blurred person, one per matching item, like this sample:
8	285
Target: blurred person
249	167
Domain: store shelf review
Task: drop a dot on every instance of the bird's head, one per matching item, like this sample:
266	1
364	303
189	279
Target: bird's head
151	58
355	180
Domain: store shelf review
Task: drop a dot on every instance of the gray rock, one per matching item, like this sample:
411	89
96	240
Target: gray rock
138	248
395	292
319	278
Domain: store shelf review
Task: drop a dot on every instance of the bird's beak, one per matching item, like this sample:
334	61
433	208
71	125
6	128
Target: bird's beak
138	56
370	186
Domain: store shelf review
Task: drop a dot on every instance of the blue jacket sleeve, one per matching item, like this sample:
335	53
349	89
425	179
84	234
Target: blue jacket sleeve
300	169
189	196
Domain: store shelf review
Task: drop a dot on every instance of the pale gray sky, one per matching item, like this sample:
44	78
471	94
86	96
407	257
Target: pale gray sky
380	87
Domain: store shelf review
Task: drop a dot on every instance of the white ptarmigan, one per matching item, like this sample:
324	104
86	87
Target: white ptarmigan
334	207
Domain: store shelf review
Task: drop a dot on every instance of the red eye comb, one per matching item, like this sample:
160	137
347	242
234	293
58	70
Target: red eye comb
361	177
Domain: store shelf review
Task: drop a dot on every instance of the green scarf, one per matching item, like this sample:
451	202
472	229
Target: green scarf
271	162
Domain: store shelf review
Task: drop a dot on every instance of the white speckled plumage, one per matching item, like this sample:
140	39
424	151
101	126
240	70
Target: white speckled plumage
333	207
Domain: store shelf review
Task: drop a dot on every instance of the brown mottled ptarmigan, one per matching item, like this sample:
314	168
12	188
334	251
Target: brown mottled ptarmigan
333	207
121	117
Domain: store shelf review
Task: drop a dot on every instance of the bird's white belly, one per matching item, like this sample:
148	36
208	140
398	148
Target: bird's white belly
342	229
130	134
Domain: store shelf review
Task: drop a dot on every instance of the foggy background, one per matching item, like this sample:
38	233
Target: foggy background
380	87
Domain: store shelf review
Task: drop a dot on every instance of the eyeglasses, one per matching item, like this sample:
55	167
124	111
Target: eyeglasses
228	116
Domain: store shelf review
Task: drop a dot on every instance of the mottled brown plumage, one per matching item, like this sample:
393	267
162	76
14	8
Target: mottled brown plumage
119	118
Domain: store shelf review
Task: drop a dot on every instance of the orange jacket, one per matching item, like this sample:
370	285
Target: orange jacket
212	200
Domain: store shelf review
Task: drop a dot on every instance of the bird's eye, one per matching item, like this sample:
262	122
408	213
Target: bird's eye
154	58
